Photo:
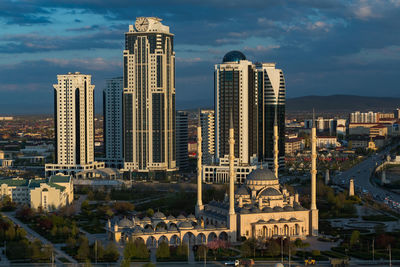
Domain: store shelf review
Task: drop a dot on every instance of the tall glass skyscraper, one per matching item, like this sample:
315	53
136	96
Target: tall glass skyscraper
149	97
271	94
253	93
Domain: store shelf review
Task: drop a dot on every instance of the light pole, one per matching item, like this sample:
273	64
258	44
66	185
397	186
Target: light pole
373	249
390	256
282	250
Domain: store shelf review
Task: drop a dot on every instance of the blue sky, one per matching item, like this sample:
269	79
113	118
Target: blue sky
324	47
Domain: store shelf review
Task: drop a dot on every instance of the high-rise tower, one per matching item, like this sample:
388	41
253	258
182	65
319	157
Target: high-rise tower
271	95
74	125
112	109
182	136
235	92
208	135
149	97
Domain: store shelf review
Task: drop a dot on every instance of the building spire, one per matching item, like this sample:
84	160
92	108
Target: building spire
199	205
276	149
232	175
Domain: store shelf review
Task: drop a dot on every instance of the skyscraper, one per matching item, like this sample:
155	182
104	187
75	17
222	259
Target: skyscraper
149	97
271	95
235	94
208	135
182	132
112	109
253	93
74	125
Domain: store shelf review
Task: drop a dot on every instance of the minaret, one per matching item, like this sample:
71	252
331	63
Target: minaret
276	150
199	205
232	177
231	169
314	211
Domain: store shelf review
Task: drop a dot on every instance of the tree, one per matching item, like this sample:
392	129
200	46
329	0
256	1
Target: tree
150	212
71	242
182	250
248	247
111	253
273	248
129	250
83	250
202	252
163	251
355	237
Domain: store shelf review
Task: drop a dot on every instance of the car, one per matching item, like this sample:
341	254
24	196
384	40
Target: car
232	263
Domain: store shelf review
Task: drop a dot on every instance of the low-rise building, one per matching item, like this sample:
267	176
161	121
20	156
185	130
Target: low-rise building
378	130
293	145
49	194
327	142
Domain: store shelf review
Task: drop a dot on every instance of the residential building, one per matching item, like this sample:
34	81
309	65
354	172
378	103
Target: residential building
378	130
182	154
270	101
48	194
149	98
74	125
327	142
293	145
112	114
207	121
252	95
360	128
363	117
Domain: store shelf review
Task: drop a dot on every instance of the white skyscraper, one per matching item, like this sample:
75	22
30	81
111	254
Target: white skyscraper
149	97
112	109
207	121
74	125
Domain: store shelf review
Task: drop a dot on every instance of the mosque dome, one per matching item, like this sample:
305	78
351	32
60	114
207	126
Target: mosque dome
233	56
261	175
270	191
242	191
159	215
185	225
125	223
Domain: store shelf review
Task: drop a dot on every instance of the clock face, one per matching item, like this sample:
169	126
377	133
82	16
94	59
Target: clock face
142	24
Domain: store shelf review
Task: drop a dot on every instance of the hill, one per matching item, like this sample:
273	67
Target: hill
342	103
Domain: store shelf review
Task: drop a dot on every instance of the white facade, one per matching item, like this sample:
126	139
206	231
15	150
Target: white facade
112	108
74	124
239	104
363	117
49	194
207	122
149	97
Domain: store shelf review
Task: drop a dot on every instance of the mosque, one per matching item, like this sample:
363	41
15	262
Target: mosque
261	208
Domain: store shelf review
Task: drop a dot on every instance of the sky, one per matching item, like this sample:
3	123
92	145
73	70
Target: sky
324	47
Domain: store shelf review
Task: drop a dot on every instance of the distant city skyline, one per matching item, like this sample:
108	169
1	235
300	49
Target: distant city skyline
326	47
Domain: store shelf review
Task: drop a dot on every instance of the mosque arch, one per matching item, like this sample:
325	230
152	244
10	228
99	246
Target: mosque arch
161	225
175	240
164	239
286	230
297	229
223	236
211	237
172	224
201	239
265	231
138	239
149	226
190	238
276	230
151	242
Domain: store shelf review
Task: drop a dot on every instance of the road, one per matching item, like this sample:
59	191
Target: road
361	174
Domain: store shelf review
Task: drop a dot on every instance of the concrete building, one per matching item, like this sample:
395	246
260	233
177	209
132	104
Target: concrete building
293	145
149	98
360	128
327	142
207	120
74	125
260	209
48	194
112	113
378	130
182	136
363	117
